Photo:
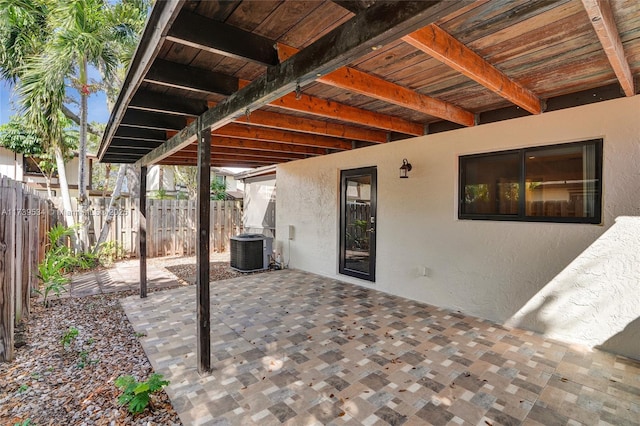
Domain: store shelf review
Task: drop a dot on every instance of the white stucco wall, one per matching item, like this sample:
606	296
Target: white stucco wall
10	164
485	268
599	287
153	178
15	170
258	205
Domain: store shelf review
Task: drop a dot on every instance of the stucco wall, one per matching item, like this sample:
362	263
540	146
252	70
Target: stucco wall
10	164
485	268
258	205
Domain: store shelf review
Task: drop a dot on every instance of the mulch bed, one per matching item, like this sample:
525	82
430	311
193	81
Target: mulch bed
50	384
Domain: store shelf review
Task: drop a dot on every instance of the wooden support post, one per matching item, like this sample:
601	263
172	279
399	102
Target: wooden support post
202	251
142	231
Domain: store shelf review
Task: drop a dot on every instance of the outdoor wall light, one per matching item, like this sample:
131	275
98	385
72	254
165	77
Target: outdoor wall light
405	169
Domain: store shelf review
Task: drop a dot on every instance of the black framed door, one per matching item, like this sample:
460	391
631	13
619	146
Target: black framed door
358	222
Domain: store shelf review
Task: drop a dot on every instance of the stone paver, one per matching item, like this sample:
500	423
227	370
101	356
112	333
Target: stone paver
295	348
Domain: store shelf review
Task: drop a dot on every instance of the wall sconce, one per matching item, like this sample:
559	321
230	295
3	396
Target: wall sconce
405	169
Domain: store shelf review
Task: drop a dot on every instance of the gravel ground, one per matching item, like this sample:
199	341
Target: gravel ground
52	385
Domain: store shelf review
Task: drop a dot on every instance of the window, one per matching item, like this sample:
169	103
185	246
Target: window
559	183
31	166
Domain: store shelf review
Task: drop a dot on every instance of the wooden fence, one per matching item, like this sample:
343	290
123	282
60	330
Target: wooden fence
25	218
171	225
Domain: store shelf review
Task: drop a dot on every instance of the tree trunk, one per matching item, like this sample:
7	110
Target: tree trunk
83	200
111	212
133	182
107	175
64	188
47	180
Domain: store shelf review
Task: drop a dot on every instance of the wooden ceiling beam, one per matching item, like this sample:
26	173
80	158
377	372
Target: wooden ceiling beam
122	150
203	33
111	159
448	50
604	24
377	88
232	157
307	125
380	24
274	135
151	41
190	151
214	163
133	143
217	141
141	134
148	100
172	74
337	111
152	120
263	118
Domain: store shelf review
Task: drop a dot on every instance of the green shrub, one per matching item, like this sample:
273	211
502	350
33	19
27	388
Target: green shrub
69	337
59	260
138	395
109	252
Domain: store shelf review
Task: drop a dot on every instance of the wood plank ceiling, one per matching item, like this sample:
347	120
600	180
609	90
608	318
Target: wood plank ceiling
286	80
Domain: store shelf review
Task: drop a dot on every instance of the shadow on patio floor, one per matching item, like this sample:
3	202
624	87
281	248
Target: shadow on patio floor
292	347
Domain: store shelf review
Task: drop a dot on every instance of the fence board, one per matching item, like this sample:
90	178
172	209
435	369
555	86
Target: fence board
25	218
7	299
170	225
25	288
18	260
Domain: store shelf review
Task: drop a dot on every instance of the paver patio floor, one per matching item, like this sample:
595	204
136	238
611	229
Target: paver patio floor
296	348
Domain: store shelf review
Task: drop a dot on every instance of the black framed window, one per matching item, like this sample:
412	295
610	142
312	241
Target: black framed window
557	183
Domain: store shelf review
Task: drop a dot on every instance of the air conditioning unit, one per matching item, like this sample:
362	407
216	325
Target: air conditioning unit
250	252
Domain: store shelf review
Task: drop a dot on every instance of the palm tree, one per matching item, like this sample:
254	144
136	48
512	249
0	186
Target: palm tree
83	37
42	93
48	43
23	31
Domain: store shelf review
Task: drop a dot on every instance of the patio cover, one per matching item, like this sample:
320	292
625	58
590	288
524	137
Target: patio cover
256	83
279	81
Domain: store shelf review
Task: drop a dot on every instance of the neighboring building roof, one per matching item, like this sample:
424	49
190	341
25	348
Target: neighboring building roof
260	171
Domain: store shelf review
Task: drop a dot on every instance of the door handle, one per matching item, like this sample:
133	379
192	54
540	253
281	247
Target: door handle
371	230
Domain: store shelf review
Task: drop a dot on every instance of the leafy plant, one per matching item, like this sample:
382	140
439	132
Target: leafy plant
161	194
69	337
26	422
218	188
85	359
109	252
138	395
59	260
50	272
23	388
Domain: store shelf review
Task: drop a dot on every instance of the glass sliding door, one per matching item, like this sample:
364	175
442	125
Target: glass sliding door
358	223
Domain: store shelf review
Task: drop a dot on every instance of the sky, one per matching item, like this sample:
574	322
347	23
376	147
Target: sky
98	111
